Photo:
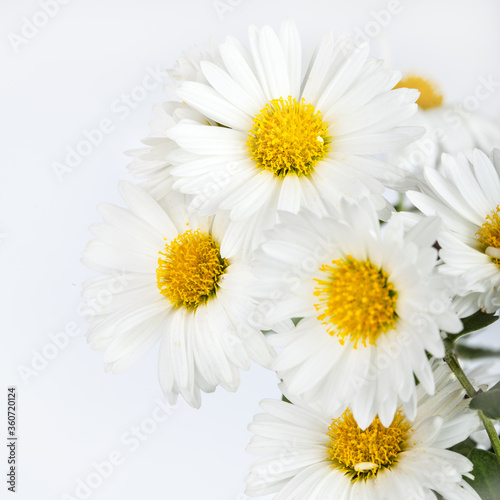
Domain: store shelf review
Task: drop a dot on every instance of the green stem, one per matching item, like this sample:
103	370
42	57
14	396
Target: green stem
492	432
453	363
401	202
455	367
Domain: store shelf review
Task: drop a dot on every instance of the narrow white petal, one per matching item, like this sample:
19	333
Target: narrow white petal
448	193
144	207
240	70
316	75
290	194
231	90
254	36
292	48
213	105
487	177
274	64
203	139
343	78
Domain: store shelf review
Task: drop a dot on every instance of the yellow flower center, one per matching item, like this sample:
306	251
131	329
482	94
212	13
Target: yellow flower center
488	236
288	137
356	300
362	454
430	96
189	269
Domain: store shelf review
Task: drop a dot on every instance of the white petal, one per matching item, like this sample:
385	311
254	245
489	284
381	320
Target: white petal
292	48
242	73
213	105
487	177
274	64
377	143
202	139
231	90
343	79
144	207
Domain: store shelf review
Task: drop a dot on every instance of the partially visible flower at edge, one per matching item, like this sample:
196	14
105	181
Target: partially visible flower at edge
466	196
450	128
320	456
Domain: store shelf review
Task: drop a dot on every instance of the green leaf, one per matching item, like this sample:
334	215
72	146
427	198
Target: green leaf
475	322
296	321
284	398
466	352
488	402
465	447
267	332
486	474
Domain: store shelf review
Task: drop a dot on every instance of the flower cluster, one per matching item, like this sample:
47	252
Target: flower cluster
261	208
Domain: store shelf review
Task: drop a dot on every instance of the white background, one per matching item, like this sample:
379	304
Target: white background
69	76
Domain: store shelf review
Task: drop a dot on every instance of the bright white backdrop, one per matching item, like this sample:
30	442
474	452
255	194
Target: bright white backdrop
82	67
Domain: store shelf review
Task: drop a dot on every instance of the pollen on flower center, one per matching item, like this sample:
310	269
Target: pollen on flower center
356	300
189	269
488	236
362	454
429	95
288	137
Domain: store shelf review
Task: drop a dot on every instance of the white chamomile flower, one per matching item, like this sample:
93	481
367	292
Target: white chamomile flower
372	308
467	198
314	455
286	139
450	128
181	282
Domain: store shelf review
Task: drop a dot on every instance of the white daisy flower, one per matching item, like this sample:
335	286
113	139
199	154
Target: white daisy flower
467	197
320	456
185	286
372	307
450	128
287	139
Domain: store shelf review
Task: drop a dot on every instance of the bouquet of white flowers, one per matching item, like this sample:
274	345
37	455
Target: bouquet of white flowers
260	231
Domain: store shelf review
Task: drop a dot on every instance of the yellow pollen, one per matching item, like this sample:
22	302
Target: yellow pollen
356	301
288	137
189	269
429	94
362	454
488	235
